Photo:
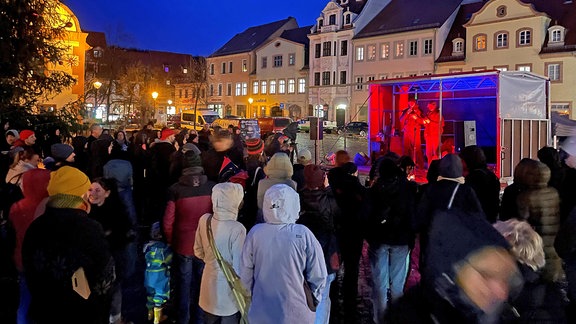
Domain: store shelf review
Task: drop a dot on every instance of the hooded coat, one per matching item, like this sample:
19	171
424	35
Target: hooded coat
215	294
278	170
277	258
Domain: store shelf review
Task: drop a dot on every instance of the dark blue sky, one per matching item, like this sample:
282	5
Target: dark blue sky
185	26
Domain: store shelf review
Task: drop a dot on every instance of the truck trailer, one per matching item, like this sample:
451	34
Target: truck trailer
506	113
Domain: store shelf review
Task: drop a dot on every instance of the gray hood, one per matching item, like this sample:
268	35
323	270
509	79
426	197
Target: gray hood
281	205
226	199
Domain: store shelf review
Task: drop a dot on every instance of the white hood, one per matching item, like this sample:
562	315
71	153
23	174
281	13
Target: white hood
281	205
226	199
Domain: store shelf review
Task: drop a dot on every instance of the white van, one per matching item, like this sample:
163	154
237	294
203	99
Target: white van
204	116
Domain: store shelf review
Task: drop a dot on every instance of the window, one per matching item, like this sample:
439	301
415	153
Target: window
344	48
97	53
556	36
347	19
166	68
554	71
524	67
562	108
371	78
255	86
325	78
211	90
219	89
480	42
384	51
359	53
291	86
359	81
332	20
371	52
524	37
291	59
281	86
413	48
455	71
317	50
167	82
185	70
399	49
342	77
223	70
320	23
278	61
501	67
317	78
479	68
326	48
244	88
229	89
211	69
229	67
244	66
458	46
501	11
263	87
272	87
238	89
427	47
264	62
501	40
383	76
301	85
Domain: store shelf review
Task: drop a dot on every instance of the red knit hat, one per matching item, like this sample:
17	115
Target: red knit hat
254	146
25	134
166	133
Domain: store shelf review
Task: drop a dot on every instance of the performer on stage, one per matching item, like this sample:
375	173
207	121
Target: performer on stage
412	120
434	124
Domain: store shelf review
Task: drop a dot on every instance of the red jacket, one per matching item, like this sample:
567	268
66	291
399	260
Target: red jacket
189	199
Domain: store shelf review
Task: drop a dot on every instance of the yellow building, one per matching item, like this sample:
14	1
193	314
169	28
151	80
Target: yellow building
72	61
535	36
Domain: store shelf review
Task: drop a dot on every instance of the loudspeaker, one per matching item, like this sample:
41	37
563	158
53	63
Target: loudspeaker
464	134
316	128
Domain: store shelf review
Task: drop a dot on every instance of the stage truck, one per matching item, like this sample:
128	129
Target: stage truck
506	113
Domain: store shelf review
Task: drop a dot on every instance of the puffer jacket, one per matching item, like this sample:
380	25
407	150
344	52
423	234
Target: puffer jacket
539	205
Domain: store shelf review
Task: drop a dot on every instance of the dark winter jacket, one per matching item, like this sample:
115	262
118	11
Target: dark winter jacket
188	200
160	154
351	197
484	182
565	242
298	176
58	244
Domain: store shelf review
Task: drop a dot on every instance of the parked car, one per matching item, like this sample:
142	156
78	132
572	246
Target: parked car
272	124
328	126
354	128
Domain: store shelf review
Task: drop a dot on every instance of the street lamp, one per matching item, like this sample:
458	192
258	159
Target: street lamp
250	101
96	85
154	96
169	108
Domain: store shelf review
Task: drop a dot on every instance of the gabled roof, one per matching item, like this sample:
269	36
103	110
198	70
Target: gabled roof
251	38
458	31
562	13
298	35
152	58
407	15
96	39
354	6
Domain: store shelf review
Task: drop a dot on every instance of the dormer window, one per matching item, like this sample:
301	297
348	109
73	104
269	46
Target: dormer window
332	20
347	19
320	23
556	35
458	46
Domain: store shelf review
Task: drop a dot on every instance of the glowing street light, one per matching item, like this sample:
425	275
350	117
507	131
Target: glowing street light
250	101
154	96
96	85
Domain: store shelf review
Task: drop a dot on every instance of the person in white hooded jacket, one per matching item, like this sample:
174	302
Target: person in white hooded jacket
278	258
216	298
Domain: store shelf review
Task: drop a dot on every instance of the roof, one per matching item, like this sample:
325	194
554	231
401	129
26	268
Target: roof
96	39
354	6
562	13
458	31
251	38
400	16
298	35
152	58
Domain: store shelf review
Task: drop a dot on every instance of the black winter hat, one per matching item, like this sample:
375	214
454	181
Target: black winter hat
191	159
61	152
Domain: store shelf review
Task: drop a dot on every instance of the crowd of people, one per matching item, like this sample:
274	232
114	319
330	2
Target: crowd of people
196	206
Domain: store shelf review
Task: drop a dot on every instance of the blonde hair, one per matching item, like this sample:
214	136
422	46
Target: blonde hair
526	244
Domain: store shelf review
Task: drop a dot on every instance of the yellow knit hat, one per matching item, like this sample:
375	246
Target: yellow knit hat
68	180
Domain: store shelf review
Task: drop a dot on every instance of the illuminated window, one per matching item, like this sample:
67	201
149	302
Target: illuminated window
371	52
238	89
255	86
302	85
281	86
244	88
524	67
291	59
399	49
480	42
97	53
244	66
360	53
384	51
291	86
501	67
263	87
272	87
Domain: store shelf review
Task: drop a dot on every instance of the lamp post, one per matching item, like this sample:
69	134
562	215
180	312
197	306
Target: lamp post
96	85
154	96
250	101
168	108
